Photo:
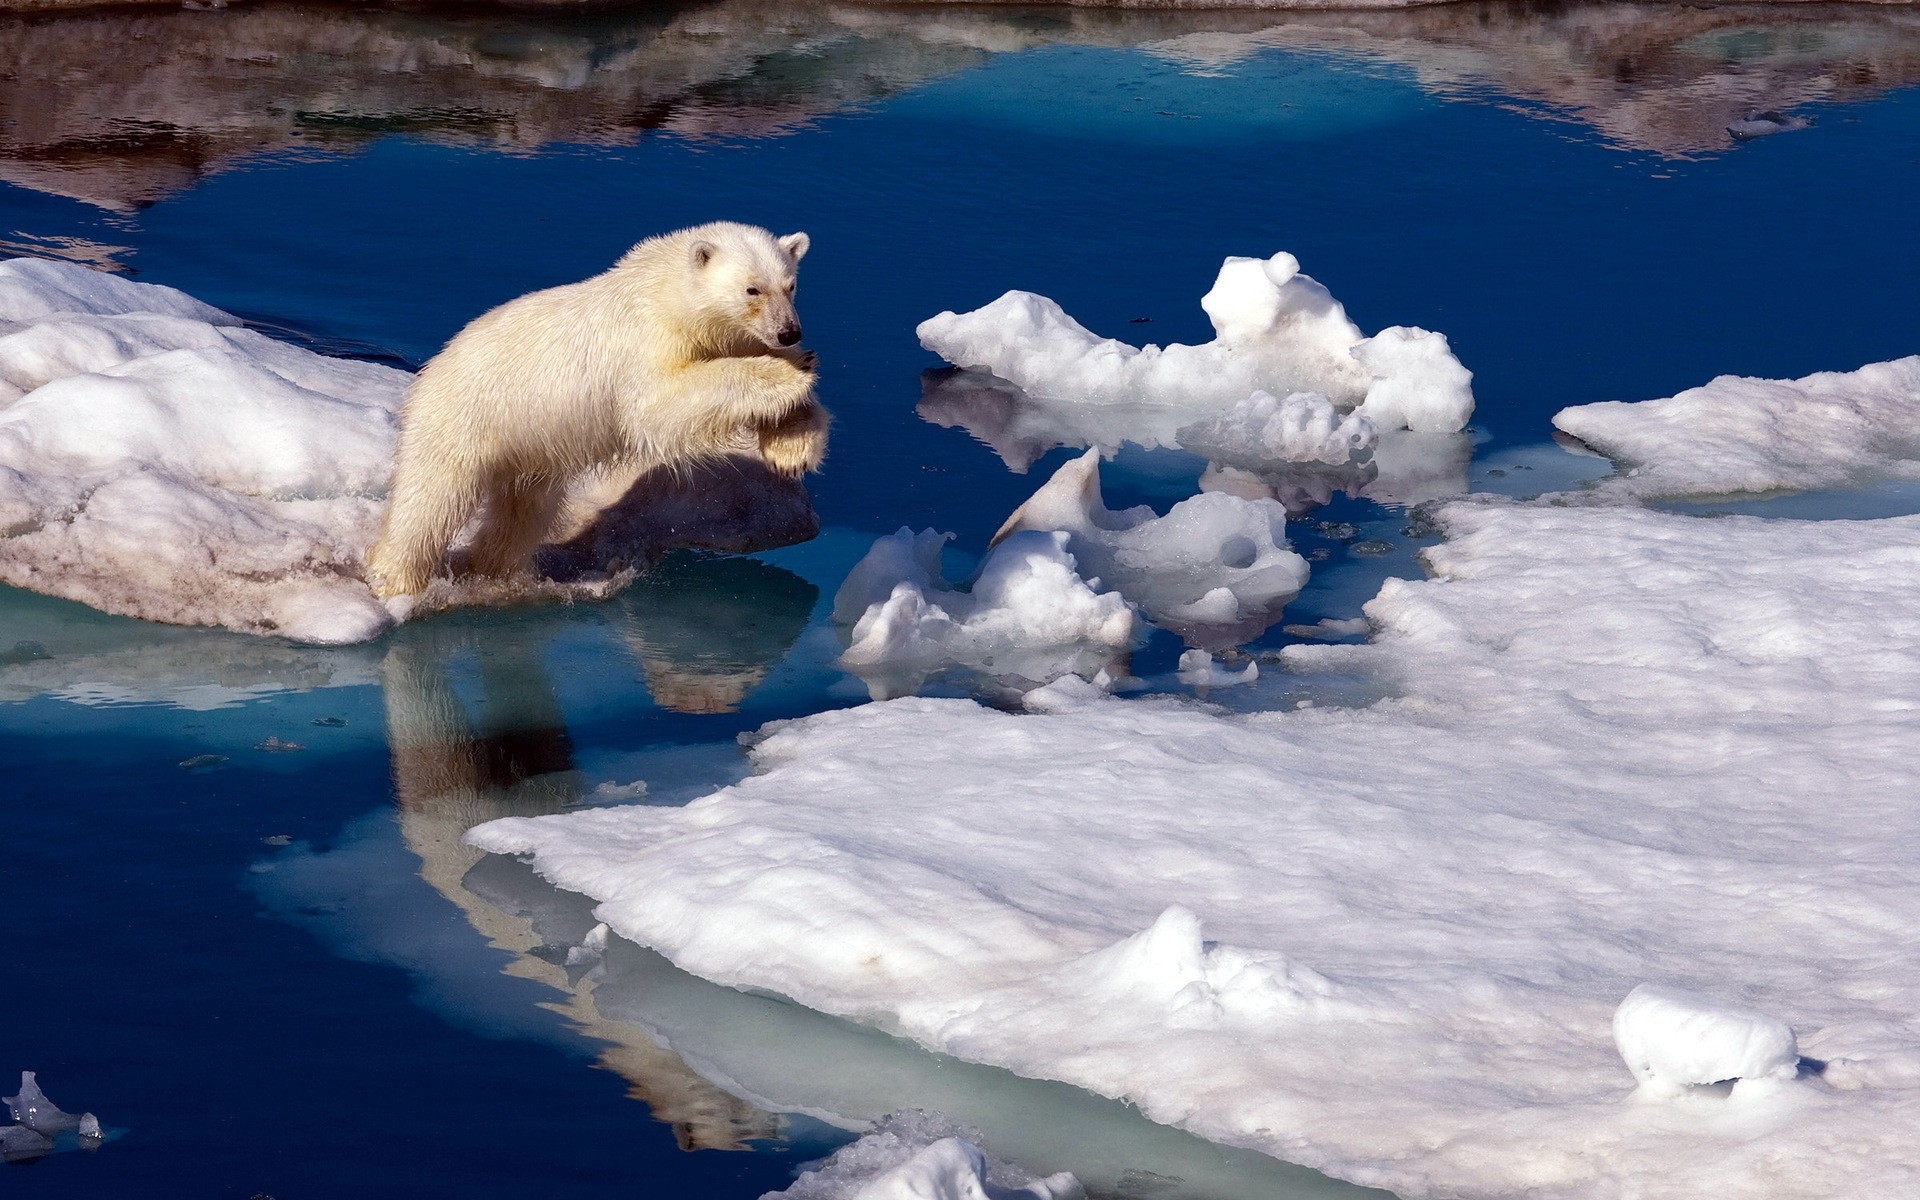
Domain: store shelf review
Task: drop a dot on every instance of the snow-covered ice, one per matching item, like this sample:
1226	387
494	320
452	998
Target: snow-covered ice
1736	434
1674	1039
917	1155
1387	942
1276	330
157	460
1216	569
1029	616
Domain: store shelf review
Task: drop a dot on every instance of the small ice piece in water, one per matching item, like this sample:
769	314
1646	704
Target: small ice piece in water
1759	123
1215	566
1674	1039
1265	429
1197	669
89	1129
1275	330
32	1109
1029	615
1417	382
921	1155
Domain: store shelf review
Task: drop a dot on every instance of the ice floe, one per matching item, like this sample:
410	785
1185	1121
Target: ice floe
1736	434
1276	330
158	460
917	1155
1388	942
1028	616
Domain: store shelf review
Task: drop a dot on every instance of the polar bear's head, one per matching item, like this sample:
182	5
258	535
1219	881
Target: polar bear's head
744	281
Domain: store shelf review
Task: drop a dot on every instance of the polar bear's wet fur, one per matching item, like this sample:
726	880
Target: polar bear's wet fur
682	351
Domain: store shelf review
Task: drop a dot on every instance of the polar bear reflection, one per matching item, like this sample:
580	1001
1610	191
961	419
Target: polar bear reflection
704	631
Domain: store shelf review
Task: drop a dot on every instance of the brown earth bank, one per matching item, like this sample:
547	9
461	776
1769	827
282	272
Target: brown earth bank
119	108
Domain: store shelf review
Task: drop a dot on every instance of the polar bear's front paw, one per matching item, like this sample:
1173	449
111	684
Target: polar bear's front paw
796	443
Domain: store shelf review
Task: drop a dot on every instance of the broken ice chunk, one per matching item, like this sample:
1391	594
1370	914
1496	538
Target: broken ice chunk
1417	382
1674	1039
1197	669
1216	569
1276	330
1028	617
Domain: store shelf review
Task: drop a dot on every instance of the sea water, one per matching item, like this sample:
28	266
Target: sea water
245	932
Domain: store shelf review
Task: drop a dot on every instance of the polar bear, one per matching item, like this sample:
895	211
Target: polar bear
684	350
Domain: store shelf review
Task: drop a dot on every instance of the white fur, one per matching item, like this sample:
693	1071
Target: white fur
664	359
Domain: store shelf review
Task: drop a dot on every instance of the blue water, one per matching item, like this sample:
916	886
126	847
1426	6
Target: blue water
238	963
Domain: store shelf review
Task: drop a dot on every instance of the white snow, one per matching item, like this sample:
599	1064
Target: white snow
1387	942
1028	616
1674	1039
157	460
1759	435
916	1155
1276	330
1215	569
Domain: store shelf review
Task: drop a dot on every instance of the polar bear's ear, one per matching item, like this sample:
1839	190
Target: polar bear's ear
795	244
702	253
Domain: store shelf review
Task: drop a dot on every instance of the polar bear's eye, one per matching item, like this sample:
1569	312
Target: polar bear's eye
753	291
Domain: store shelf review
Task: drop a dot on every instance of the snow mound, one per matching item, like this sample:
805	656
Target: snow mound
1384	942
1216	569
1674	1039
158	461
1736	434
1264	429
918	1155
1276	330
1029	616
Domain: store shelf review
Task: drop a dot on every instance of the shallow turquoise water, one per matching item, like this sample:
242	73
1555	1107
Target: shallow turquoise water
270	970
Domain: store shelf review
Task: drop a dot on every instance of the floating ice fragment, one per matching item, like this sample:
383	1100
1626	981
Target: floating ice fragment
1736	434
1216	569
1028	617
919	1155
1675	1039
1276	330
1197	669
1417	382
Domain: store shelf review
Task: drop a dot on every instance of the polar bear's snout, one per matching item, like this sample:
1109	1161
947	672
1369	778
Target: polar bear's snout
789	334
